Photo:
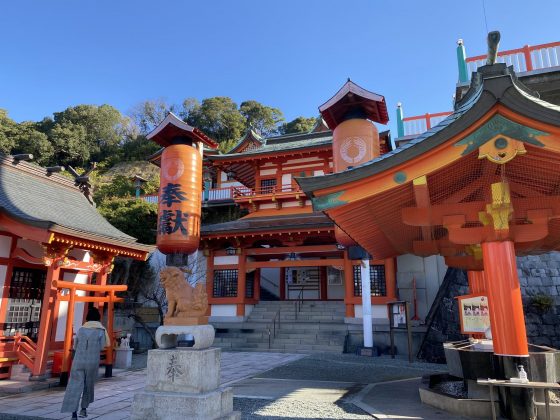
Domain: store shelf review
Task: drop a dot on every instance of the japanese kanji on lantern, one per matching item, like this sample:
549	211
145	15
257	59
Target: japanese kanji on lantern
179	199
180	192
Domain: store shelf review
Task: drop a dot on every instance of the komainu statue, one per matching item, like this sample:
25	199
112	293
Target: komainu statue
187	305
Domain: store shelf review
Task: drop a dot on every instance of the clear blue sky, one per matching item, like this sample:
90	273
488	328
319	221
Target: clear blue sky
293	54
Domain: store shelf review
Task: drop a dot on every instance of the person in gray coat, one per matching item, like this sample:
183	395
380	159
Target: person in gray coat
92	337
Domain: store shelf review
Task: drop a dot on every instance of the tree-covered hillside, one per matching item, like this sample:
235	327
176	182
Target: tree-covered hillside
83	134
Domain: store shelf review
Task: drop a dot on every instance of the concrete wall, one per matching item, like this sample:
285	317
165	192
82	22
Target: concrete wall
427	273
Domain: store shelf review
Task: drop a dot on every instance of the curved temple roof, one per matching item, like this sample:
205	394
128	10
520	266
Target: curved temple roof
32	196
406	197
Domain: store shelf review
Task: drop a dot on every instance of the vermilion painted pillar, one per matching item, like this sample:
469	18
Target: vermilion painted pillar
257	285
476	282
508	325
45	324
241	284
504	299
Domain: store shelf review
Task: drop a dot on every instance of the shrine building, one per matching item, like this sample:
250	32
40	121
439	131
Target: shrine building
56	252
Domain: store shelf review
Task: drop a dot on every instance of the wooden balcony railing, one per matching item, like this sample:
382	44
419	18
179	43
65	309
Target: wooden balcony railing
241	193
527	58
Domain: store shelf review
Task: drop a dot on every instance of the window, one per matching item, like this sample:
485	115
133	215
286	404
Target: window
377	280
225	283
24	302
268	185
250	285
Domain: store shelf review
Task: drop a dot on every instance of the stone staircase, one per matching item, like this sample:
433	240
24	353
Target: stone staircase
319	328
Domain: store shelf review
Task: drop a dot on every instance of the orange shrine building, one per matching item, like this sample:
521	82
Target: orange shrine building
56	252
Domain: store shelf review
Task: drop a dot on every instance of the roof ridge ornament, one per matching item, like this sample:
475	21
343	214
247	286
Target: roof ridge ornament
493	44
82	181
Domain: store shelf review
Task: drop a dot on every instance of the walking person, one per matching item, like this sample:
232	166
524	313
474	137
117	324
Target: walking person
92	337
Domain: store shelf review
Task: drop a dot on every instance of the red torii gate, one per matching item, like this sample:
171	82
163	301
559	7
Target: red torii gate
110	298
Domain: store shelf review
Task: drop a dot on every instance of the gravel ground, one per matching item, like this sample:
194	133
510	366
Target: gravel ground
352	368
288	408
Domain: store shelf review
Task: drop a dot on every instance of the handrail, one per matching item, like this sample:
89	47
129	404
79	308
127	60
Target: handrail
242	192
25	349
526	58
298	303
277	315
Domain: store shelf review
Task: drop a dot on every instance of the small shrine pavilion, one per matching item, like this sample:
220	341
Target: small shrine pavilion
479	188
56	252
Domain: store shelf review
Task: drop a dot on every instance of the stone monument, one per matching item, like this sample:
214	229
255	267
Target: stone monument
184	382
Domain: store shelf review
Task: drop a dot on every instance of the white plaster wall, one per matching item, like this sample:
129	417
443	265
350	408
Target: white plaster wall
80	255
5	246
265	172
79	307
32	247
223	310
226	259
427	273
3	271
377	311
290	204
317	173
286	179
267	206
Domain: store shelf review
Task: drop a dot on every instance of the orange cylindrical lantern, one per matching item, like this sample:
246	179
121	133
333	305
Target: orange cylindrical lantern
179	200
355	141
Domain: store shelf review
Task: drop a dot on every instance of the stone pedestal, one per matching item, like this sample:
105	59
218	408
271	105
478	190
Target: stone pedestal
184	384
166	335
123	358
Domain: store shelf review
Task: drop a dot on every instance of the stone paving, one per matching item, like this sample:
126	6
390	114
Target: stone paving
269	386
113	396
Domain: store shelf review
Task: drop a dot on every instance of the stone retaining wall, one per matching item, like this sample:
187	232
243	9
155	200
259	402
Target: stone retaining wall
539	275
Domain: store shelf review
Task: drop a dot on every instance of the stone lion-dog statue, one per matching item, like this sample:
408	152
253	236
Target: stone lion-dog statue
187	305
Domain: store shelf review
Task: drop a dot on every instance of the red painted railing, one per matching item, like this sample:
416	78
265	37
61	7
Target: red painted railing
244	192
420	123
523	59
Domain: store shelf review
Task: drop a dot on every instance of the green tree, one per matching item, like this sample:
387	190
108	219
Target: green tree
28	139
262	118
148	114
8	128
102	127
298	125
217	117
136	218
70	145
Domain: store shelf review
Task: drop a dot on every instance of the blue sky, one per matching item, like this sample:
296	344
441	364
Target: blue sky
290	54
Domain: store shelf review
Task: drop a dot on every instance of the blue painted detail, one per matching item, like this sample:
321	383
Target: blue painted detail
399	177
400	122
500	143
499	124
328	201
462	64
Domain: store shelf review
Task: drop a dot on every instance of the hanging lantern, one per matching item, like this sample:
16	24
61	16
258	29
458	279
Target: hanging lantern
180	191
349	114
